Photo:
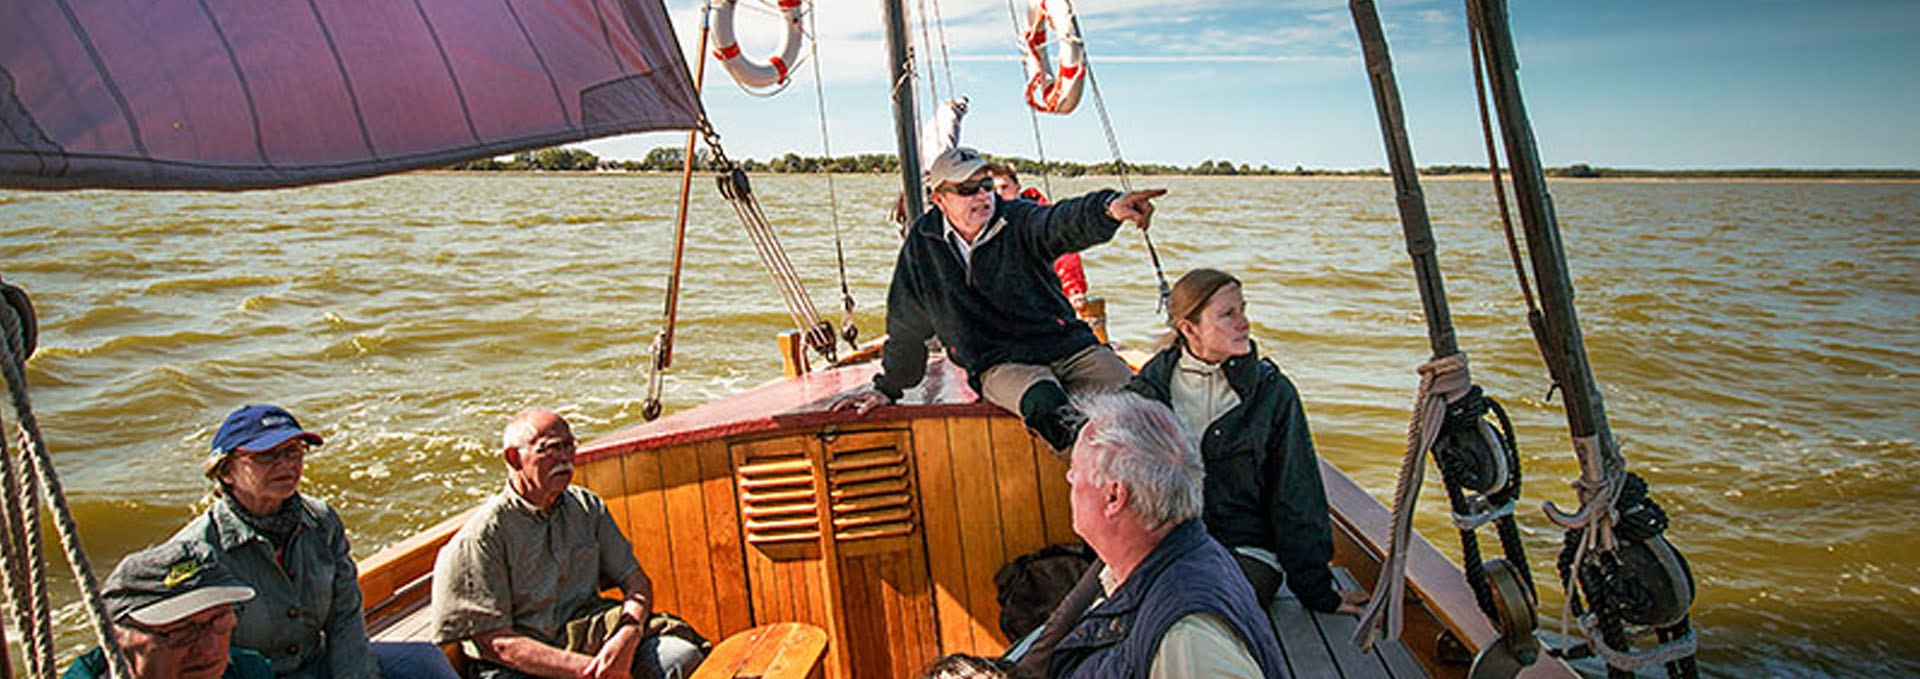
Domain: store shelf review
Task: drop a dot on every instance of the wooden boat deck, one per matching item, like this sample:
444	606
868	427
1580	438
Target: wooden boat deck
1317	645
886	531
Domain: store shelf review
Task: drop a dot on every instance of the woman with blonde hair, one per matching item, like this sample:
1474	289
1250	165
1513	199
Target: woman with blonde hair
1263	496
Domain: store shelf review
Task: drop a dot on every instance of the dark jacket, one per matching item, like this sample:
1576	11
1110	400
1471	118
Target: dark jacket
1006	307
1263	482
1186	573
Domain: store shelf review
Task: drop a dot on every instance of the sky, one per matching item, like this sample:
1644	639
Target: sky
1635	84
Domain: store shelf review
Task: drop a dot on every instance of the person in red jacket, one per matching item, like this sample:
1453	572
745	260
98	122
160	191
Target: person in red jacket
1073	277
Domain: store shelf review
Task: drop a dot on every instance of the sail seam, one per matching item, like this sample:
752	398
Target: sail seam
558	99
240	77
346	78
460	93
106	79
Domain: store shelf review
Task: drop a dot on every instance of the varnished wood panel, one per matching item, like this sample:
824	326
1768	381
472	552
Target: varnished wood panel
1022	525
940	526
886	592
982	549
687	533
647	524
1056	504
732	603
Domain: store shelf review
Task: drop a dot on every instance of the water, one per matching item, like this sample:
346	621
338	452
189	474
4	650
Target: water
1758	345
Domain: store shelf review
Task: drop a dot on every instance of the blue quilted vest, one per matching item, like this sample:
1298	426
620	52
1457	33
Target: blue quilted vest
1187	573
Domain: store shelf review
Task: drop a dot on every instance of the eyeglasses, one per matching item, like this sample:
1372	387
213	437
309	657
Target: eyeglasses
183	635
964	189
290	451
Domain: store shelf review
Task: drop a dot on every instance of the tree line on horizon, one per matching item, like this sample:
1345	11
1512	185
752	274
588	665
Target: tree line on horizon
673	159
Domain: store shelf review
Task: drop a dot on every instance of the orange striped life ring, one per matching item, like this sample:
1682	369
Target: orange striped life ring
1048	91
745	70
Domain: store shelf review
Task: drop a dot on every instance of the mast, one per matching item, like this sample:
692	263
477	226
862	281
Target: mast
1406	181
905	120
1585	414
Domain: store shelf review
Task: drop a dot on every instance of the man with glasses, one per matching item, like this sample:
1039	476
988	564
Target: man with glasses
172	612
977	273
518	585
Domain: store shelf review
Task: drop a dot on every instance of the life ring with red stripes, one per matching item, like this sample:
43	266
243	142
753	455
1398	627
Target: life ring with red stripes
1049	91
746	70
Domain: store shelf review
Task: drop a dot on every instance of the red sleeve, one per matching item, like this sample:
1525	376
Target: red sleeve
1073	278
1033	194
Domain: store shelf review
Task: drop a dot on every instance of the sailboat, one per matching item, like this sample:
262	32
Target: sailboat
879	534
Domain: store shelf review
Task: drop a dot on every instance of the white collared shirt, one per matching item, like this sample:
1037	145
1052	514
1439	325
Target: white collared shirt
966	249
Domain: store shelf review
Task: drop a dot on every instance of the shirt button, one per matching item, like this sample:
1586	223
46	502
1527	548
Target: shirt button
293	649
293	612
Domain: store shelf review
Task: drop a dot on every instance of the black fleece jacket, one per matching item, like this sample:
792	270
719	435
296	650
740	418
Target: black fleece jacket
1263	481
1004	307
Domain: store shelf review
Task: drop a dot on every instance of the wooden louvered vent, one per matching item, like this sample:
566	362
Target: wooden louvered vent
871	491
777	499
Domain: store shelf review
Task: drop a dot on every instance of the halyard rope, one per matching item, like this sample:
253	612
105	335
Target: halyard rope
38	466
1442	380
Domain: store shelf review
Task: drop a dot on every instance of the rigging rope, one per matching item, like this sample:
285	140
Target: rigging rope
933	87
847	328
1442	381
1120	164
738	191
16	322
1536	319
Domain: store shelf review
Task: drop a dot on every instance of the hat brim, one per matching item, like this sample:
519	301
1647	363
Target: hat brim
186	604
269	440
958	173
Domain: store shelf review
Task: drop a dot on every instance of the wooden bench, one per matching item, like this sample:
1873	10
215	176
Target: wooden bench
782	650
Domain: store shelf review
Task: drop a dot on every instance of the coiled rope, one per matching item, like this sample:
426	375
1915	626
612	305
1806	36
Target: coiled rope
23	541
1442	381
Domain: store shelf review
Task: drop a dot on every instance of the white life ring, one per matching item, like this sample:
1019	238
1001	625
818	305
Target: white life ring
745	70
1048	91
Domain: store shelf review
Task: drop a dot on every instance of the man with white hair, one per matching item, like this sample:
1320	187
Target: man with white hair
1176	604
519	584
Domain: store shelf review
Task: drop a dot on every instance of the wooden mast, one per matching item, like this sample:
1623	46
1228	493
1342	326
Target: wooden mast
1406	180
905	120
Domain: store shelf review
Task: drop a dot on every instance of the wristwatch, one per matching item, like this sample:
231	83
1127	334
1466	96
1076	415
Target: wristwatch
626	619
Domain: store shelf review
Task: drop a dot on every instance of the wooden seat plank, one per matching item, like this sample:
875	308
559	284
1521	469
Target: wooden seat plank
1307	654
783	650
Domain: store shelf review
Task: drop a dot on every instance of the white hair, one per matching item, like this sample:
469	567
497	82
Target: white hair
1138	443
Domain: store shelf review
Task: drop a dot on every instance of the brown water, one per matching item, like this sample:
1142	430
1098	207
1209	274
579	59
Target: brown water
1758	345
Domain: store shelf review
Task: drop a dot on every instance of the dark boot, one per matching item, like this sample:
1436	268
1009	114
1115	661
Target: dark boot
1049	412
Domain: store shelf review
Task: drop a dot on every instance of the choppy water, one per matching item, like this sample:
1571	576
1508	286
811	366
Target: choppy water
1758	345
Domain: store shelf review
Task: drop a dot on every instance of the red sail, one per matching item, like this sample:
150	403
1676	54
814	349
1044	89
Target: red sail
236	94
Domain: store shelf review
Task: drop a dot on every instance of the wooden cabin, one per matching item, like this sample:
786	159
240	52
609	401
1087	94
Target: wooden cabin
886	531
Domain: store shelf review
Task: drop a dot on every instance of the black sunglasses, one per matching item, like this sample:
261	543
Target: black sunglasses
970	188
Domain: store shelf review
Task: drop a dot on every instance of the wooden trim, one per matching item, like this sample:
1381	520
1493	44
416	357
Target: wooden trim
396	577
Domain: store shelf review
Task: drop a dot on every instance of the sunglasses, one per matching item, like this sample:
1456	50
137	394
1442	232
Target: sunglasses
964	189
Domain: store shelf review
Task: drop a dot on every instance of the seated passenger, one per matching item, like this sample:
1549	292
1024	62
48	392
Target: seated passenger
172	610
974	272
519	584
1172	606
292	549
1264	500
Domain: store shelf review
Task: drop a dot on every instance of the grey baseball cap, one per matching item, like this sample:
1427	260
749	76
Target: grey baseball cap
169	582
953	166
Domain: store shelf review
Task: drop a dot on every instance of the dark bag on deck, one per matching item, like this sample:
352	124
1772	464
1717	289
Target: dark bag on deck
1033	585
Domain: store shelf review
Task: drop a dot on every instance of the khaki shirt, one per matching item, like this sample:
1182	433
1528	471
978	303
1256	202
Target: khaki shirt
513	566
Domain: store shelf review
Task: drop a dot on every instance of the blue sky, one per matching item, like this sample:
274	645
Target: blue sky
1684	84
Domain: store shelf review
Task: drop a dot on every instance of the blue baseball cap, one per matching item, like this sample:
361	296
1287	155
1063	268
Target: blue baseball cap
256	428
